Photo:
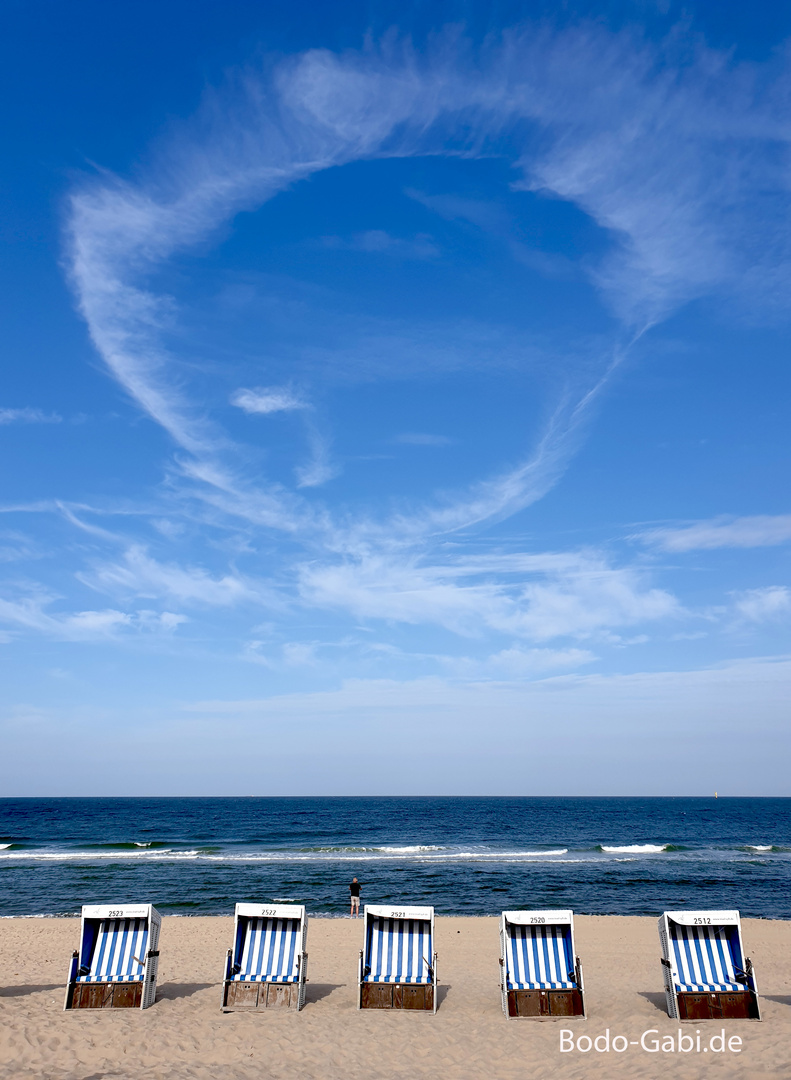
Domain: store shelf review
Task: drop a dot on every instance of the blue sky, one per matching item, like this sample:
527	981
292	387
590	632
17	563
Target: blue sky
395	399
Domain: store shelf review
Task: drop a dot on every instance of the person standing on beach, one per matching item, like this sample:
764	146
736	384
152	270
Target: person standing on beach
354	895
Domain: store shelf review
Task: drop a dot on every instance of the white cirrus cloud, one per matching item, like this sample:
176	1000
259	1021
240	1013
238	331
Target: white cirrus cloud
761	605
570	595
31	614
381	242
28	416
140	575
420	438
319	468
518	661
760	530
674	158
266	400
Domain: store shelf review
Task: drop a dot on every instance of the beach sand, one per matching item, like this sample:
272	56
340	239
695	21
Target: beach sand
185	1035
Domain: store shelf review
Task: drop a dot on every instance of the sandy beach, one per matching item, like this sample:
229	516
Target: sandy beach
185	1035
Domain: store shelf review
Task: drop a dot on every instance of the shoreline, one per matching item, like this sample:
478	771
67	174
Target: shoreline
329	917
185	1036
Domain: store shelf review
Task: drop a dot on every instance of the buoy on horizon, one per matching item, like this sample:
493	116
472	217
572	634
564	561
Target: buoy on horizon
715	794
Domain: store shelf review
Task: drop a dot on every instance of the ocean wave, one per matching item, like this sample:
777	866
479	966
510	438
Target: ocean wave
127	845
636	849
86	856
555	862
413	849
420	853
412	854
408	849
528	854
449	855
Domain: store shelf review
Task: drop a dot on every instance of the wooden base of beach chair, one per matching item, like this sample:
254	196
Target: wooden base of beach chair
545	1003
242	995
107	996
740	1005
395	996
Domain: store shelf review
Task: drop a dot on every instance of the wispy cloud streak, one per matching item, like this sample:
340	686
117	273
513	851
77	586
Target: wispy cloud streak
761	530
637	137
28	415
659	148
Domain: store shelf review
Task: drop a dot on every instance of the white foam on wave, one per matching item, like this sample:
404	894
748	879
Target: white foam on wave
423	853
412	849
637	849
46	915
507	855
556	861
4	846
557	851
526	854
142	843
759	847
85	856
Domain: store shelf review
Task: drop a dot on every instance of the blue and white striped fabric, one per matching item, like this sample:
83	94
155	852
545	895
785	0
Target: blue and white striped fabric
119	954
539	958
398	951
701	958
270	952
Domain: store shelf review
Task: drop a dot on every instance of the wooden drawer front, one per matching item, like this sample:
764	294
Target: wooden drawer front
530	1003
561	1003
242	995
92	996
377	996
278	996
544	1003
720	1006
107	996
695	1007
413	997
734	1006
565	1002
127	995
397	996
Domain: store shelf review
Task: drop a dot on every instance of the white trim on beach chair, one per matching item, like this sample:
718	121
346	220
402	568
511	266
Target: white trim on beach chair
398	965
117	961
705	973
267	965
540	974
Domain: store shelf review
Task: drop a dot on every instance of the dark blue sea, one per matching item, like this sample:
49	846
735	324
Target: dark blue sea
466	856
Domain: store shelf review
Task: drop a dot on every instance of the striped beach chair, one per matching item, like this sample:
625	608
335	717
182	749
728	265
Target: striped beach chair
706	975
398	967
116	964
540	975
268	964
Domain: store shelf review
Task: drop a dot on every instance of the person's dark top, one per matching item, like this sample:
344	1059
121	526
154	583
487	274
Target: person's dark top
354	888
